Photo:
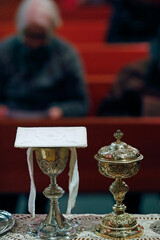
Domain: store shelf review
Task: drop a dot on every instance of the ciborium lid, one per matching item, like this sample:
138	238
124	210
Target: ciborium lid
118	151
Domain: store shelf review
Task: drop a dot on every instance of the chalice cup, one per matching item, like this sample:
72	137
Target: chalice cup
118	161
52	161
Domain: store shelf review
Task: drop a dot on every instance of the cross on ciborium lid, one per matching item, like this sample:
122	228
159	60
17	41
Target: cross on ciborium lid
118	135
118	151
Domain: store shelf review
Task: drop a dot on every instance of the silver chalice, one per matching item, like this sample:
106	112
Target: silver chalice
52	161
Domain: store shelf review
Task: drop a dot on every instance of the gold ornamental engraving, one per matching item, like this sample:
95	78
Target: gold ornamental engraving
118	161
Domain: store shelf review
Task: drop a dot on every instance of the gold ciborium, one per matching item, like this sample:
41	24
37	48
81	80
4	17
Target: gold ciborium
118	161
52	161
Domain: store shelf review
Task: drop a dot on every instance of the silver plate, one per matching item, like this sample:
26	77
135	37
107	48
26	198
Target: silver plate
6	221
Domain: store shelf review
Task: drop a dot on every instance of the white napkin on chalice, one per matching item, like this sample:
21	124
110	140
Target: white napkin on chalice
71	137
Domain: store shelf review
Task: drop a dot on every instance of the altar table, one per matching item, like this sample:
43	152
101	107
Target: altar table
88	221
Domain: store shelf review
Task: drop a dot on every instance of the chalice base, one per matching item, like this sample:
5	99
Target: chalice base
123	226
52	231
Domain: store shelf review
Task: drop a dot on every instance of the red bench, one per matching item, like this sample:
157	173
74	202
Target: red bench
84	31
72	31
8	10
110	58
101	58
98	87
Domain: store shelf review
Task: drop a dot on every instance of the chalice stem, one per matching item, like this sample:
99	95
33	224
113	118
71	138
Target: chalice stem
54	214
58	215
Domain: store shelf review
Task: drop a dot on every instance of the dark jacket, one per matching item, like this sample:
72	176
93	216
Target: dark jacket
136	91
133	21
35	80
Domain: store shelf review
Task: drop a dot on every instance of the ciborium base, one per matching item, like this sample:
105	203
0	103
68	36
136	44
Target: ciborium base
121	226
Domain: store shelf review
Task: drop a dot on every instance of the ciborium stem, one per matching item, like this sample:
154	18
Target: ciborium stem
119	190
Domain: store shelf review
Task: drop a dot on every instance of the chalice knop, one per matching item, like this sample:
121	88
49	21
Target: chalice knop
52	161
118	161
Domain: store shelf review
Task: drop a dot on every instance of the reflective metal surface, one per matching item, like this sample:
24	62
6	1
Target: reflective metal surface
118	161
6	221
52	161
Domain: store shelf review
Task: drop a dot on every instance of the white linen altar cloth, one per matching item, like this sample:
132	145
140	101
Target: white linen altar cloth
88	221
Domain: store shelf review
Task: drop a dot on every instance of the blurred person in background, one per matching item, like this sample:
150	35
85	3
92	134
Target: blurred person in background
136	91
133	20
40	75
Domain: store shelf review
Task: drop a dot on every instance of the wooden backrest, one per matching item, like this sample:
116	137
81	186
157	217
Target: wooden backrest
99	86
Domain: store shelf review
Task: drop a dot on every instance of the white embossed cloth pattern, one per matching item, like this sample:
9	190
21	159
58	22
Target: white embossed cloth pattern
88	221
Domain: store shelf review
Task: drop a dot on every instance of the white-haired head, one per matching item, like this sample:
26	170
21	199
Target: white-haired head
41	12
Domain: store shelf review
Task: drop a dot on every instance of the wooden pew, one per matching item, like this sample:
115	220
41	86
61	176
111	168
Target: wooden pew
81	31
88	12
101	58
72	31
8	9
99	86
142	133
